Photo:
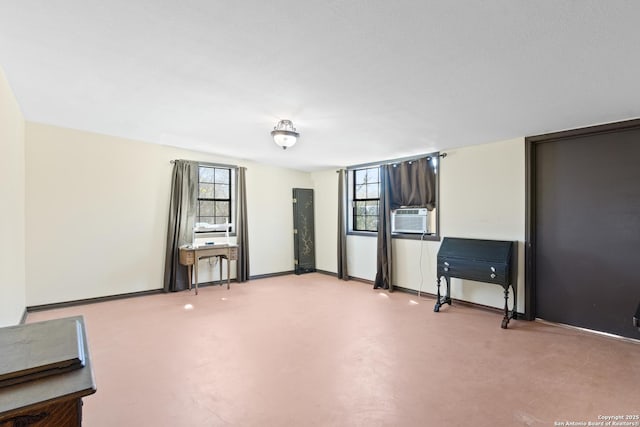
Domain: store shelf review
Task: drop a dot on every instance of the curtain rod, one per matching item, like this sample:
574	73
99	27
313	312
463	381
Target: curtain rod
399	160
220	165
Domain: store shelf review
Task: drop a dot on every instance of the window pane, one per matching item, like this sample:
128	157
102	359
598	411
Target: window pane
373	175
373	191
361	191
360	176
361	208
206	191
360	223
221	219
206	208
222	191
222	176
206	174
207	219
372	223
372	208
222	209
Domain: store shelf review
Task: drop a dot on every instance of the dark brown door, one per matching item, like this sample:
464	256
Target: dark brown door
303	231
587	230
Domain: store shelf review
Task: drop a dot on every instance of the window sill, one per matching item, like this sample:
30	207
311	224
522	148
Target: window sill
411	236
405	236
363	233
200	234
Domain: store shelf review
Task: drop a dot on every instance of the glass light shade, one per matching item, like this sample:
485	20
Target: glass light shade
284	140
284	134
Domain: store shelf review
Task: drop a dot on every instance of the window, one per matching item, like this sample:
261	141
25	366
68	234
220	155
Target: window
366	198
215	191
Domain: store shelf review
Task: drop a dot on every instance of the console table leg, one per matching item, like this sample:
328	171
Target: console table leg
436	308
195	271
514	311
220	265
505	320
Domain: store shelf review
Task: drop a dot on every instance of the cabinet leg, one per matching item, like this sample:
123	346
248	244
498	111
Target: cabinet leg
436	308
505	320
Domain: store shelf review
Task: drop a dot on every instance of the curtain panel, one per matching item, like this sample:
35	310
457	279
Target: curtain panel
242	231
342	225
413	183
384	252
182	208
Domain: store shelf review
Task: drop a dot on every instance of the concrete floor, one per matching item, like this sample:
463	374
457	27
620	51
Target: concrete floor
311	350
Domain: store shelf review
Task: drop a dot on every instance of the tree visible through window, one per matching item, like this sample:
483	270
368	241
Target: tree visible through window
366	198
214	195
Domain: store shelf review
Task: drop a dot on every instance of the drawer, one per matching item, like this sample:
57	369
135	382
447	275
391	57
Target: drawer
233	254
66	413
186	257
480	271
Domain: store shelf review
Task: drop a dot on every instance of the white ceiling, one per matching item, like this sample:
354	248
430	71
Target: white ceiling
362	80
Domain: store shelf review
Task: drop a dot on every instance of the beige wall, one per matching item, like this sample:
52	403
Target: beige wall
12	207
96	212
482	196
97	207
325	187
270	204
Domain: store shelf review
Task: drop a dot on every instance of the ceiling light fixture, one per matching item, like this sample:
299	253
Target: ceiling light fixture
284	134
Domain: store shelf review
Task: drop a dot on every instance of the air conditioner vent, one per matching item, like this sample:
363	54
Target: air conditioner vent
410	220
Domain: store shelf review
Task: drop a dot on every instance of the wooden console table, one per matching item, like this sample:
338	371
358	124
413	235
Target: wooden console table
49	394
190	256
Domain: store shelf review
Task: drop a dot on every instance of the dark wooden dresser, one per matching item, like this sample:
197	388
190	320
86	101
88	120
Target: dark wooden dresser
45	371
489	261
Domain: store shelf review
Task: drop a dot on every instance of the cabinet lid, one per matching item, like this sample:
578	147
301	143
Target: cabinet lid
497	251
41	349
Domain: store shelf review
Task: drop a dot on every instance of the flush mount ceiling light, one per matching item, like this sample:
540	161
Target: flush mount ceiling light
284	134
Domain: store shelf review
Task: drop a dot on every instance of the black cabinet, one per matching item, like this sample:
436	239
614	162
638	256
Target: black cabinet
489	261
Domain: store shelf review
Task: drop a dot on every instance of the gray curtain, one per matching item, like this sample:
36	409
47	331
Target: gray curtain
411	183
242	232
182	214
384	258
342	226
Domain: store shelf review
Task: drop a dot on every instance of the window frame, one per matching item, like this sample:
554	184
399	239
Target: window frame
409	236
366	200
232	199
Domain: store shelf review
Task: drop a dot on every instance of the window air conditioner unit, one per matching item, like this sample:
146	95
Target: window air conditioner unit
410	220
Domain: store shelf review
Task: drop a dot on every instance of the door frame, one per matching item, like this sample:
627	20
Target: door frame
530	200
